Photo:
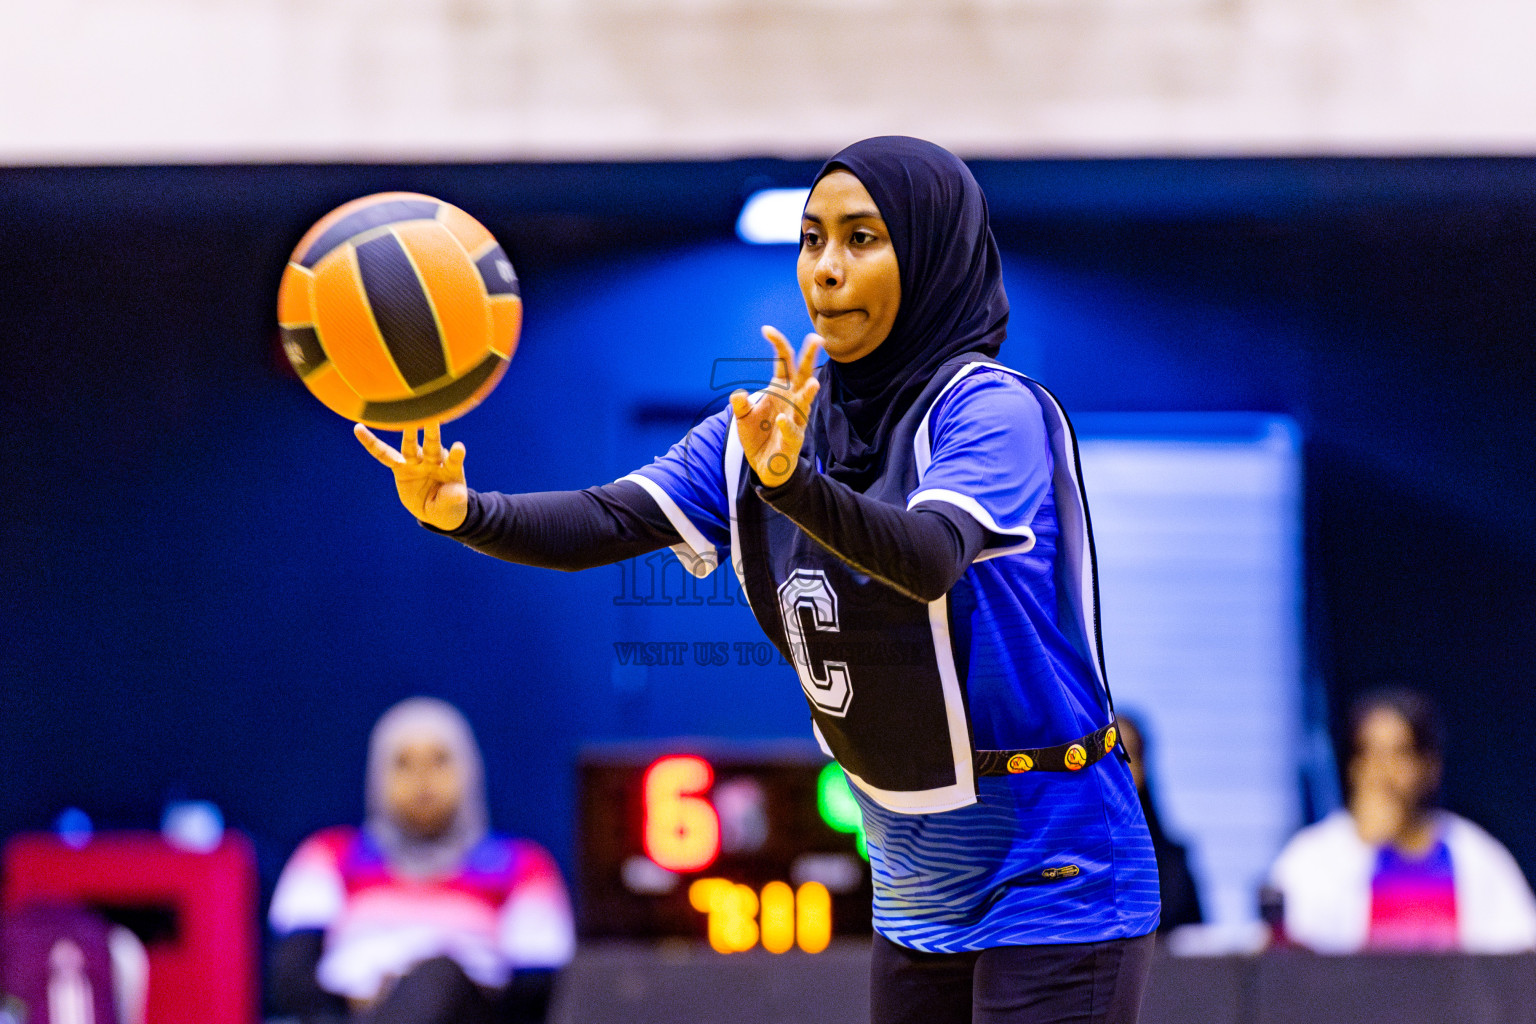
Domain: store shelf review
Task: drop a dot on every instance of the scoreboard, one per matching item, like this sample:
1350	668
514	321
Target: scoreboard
743	845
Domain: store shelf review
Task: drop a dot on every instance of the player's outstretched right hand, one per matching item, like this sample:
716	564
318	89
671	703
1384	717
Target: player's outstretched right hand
430	481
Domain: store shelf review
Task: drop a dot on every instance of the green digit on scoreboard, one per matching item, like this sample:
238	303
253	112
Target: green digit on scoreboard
838	807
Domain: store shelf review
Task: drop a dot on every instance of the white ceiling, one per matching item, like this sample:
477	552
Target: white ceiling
110	81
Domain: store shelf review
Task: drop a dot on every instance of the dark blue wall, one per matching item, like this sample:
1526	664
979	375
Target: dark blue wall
211	590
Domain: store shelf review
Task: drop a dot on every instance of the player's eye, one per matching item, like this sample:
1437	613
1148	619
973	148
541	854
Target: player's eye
809	238
863	236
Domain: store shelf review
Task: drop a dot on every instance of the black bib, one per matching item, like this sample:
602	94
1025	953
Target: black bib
878	668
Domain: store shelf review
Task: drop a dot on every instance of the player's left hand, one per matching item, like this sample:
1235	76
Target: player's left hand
771	424
428	478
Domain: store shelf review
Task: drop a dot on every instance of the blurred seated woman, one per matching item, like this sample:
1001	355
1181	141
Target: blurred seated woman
1393	872
420	916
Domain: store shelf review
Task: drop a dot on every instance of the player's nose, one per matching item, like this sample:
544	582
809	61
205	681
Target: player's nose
828	272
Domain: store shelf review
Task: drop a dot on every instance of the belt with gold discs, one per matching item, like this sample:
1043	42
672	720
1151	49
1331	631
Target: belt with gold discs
1065	757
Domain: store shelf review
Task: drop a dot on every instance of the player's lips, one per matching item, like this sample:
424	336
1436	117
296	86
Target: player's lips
833	314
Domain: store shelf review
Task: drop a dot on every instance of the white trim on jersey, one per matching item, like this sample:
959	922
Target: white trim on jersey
821	741
973	507
696	553
1073	541
735	458
961	792
922	445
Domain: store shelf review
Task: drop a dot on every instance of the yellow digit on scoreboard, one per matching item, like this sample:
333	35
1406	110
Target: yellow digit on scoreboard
813	917
781	916
778	917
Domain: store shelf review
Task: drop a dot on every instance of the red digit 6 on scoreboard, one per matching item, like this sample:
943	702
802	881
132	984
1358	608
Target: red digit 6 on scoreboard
682	828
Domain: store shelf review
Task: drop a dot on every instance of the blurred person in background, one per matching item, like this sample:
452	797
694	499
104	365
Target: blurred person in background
1180	895
1392	871
421	915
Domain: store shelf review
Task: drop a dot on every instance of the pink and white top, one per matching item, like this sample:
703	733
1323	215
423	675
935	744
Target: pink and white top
1413	900
1342	895
505	909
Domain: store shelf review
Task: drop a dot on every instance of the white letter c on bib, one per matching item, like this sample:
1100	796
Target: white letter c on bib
807	589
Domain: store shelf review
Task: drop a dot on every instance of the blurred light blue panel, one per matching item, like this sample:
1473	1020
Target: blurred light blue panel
772	216
1197	524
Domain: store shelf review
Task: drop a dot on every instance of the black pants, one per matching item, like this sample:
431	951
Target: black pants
1079	983
438	992
434	992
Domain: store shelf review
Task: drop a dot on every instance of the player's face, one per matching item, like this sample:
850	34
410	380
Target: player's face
847	268
424	787
1387	762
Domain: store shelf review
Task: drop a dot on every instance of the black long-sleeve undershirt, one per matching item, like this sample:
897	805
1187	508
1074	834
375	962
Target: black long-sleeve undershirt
566	530
921	552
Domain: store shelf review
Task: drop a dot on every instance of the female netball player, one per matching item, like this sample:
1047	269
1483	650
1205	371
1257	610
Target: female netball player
911	496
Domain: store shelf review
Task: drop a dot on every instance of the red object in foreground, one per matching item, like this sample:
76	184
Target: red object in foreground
199	910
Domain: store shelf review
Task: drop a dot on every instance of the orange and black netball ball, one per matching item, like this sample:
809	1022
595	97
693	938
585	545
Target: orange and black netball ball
398	309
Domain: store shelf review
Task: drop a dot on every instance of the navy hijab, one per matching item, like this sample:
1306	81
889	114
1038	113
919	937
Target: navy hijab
952	299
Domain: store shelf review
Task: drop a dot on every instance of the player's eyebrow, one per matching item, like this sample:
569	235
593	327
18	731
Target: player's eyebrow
845	218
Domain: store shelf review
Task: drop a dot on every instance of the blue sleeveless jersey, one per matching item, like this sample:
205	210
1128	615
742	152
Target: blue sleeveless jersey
901	693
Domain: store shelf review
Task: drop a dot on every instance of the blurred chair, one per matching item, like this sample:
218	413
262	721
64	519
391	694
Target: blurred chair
195	911
65	964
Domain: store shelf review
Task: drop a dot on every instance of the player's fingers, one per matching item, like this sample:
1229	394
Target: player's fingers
432	446
805	397
408	446
377	448
741	405
456	459
808	350
787	429
784	366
